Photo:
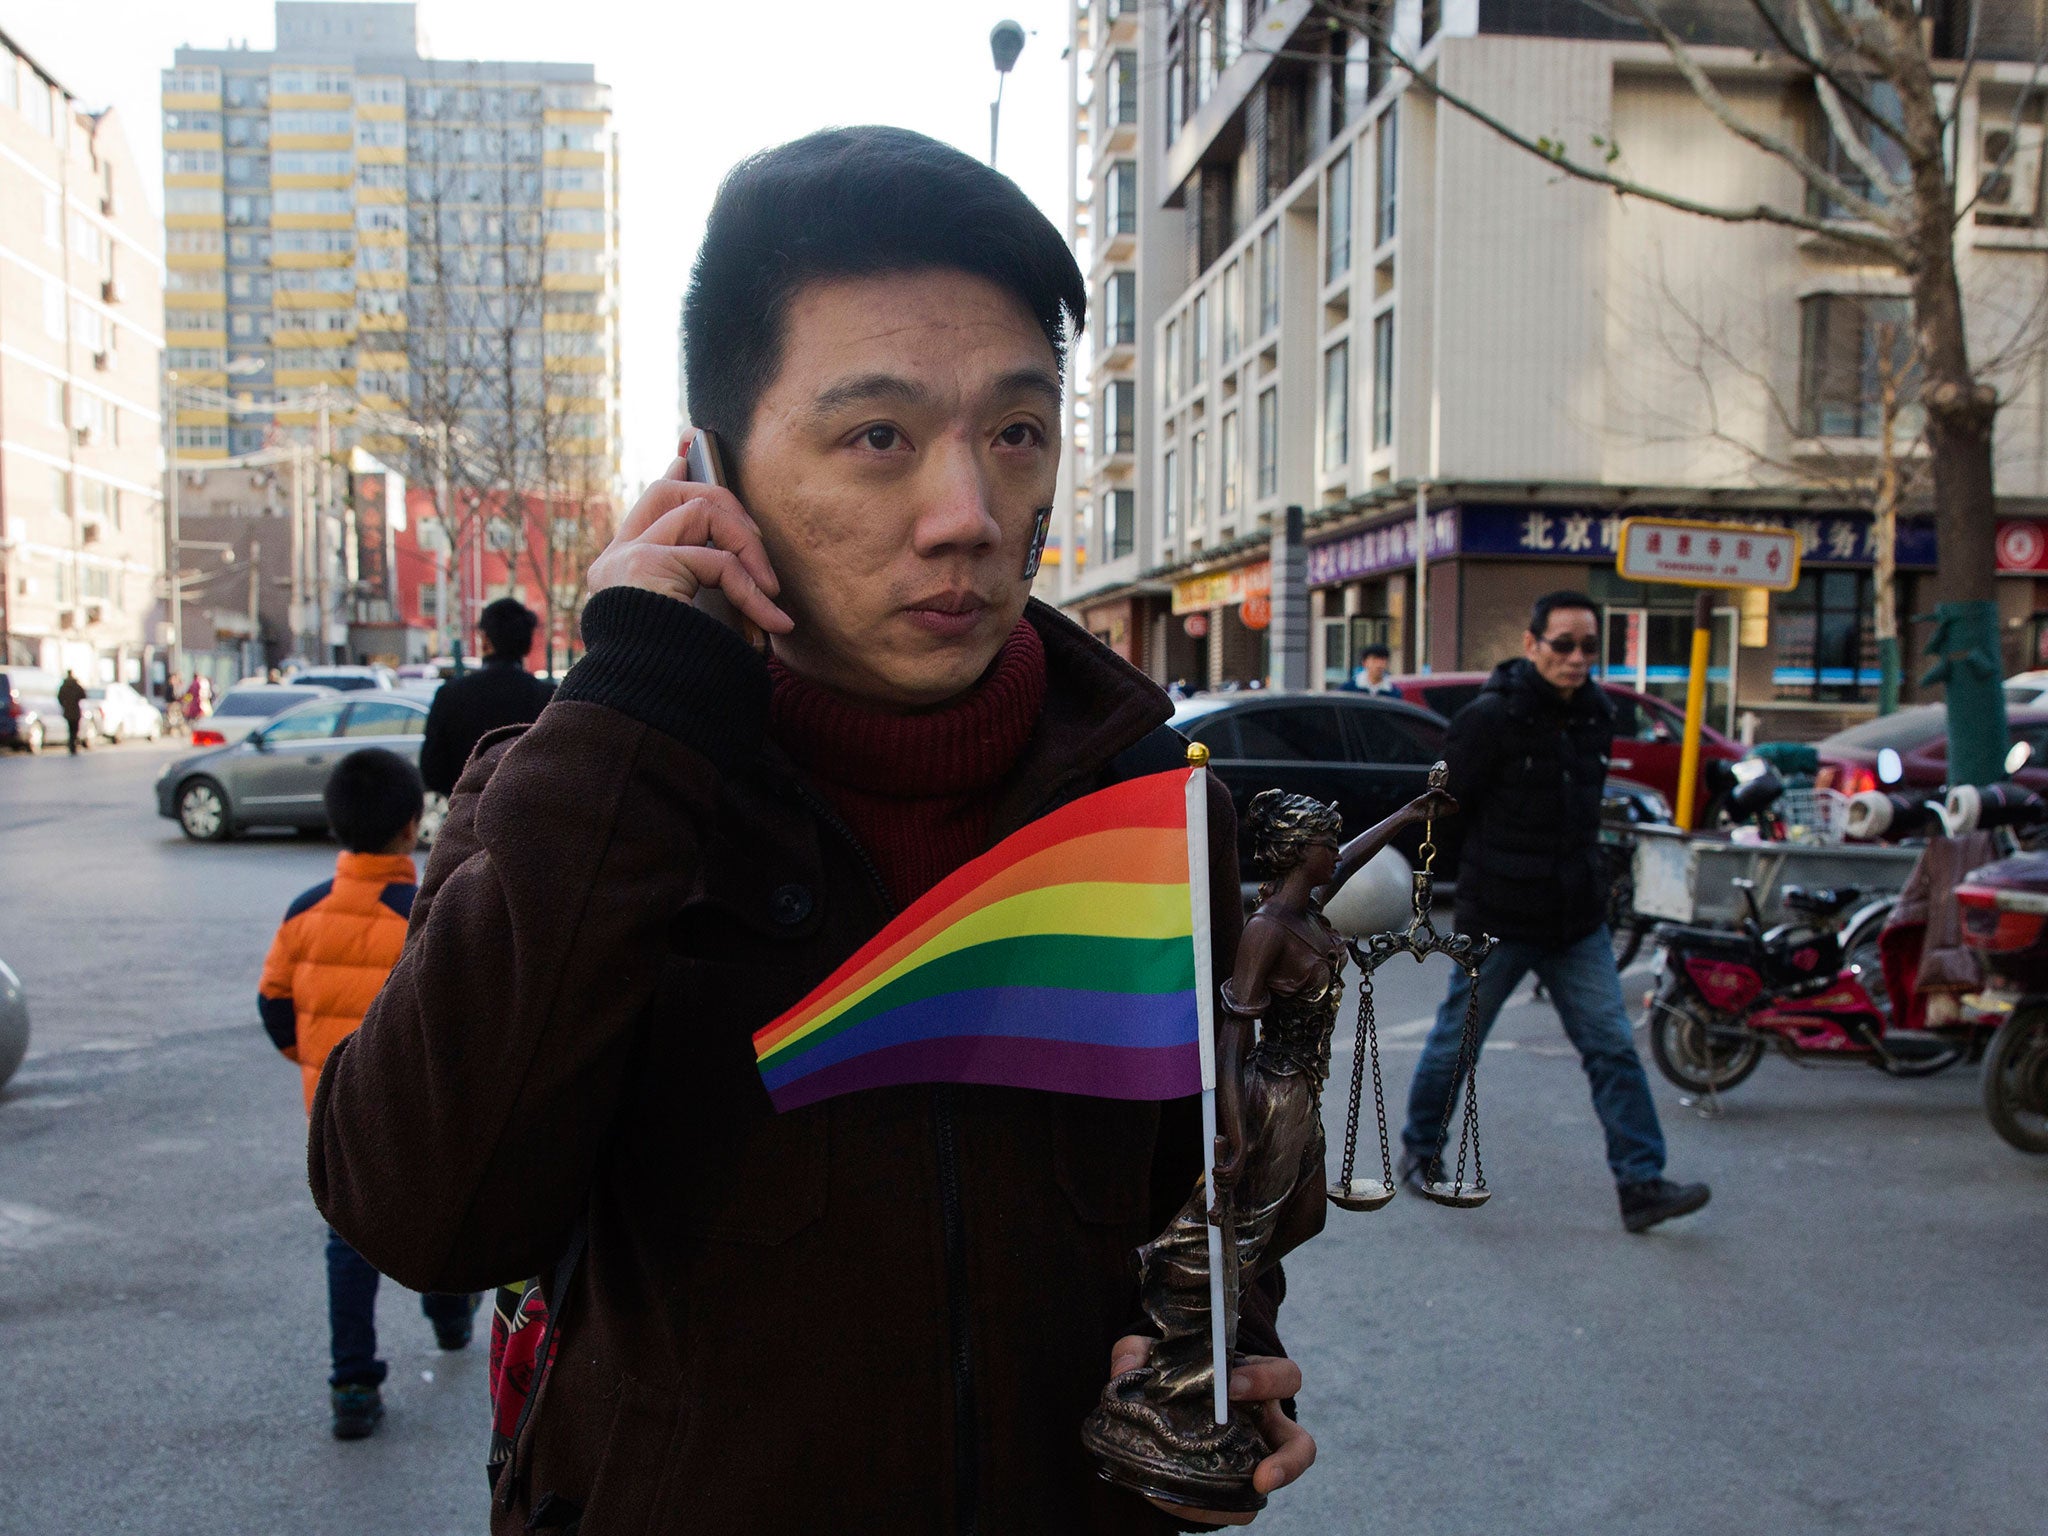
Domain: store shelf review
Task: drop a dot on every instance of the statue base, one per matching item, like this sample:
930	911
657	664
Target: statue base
1164	1452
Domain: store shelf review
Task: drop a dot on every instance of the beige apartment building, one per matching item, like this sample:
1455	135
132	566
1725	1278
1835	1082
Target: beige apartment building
81	343
1466	369
399	245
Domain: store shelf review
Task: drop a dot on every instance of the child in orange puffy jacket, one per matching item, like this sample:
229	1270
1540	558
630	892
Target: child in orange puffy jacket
330	957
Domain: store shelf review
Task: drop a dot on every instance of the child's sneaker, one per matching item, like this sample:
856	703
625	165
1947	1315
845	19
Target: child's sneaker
358	1408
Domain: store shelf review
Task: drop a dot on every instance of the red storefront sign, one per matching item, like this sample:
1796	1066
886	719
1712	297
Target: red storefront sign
2022	545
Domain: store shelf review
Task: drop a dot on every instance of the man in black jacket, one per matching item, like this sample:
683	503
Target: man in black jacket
500	692
1528	765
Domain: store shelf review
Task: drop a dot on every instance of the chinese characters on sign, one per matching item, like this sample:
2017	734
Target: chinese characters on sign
1377	550
1709	554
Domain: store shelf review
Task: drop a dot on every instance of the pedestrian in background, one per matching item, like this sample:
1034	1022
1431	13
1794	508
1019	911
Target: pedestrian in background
1371	676
71	700
329	960
501	692
1528	765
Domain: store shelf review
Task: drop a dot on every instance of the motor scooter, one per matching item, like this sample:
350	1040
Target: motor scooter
2004	908
1812	987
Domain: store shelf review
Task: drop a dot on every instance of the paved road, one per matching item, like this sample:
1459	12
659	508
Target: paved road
1848	1340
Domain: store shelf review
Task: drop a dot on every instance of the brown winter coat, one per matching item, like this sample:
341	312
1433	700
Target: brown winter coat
886	1313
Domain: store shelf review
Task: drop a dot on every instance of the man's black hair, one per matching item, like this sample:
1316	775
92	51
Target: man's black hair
508	624
1376	649
853	202
372	796
1550	602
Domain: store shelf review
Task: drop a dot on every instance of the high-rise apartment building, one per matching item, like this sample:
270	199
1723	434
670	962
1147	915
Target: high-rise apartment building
81	337
431	245
1465	368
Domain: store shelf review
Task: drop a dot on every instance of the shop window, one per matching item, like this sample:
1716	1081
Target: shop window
1821	631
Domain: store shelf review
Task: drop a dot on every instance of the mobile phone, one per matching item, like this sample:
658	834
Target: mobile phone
704	464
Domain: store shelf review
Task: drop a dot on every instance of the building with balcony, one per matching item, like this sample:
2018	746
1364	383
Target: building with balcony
422	244
81	338
1466	369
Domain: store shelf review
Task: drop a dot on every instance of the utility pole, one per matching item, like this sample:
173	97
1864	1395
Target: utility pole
1420	662
174	659
446	541
257	660
298	598
324	498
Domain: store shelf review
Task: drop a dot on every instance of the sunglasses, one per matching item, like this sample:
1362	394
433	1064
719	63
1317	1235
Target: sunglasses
1564	645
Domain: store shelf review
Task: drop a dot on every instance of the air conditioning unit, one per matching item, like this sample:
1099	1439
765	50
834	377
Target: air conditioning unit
89	530
87	436
2010	189
107	205
110	292
102	361
67	618
93	613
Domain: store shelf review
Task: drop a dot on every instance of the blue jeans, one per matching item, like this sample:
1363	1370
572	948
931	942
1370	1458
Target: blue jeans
1586	989
352	1314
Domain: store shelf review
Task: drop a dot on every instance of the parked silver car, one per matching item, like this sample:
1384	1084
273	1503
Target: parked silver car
117	712
276	775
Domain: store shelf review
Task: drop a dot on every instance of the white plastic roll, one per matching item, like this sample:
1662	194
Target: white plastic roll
1964	807
1870	814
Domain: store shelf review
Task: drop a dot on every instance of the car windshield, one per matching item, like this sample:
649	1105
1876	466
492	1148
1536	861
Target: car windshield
244	702
2024	693
346	682
1906	731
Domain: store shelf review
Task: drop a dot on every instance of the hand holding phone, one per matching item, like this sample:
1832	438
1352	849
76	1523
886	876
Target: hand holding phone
689	538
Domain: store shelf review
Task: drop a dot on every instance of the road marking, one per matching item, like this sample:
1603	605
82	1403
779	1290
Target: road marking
25	1228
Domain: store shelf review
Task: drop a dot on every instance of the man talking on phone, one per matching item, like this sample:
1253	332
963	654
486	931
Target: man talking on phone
809	694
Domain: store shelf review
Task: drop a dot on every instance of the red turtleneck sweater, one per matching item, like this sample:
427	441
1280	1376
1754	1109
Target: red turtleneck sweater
916	789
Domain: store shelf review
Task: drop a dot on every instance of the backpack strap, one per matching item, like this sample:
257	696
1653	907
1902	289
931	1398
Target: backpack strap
557	1296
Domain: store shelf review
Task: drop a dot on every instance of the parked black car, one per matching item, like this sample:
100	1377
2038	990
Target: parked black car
1368	756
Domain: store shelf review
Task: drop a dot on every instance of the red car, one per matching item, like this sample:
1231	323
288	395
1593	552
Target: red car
1648	732
1848	759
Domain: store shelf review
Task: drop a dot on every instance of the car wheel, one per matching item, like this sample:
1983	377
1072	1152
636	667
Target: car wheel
32	743
156	730
203	811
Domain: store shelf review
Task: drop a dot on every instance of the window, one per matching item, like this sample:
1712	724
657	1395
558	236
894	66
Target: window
384	718
1229	471
1119	524
372	134
191	82
248	132
327	200
1123	87
1119	417
335	125
248	90
199	358
1269	279
192	200
190	162
202	436
1300	733
1386	205
1123	197
1171	381
1198	339
1233	314
53	402
1337	227
1120	310
1387	736
1337	407
193	242
1853	349
310	722
191	122
1834	156
1823	636
1383	380
1198	479
1169	495
53	309
1432	18
1269	443
331	242
329	162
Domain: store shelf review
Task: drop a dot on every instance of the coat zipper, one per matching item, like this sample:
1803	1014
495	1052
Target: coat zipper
945	1135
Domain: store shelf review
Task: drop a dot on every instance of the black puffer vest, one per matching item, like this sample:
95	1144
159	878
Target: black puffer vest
1536	766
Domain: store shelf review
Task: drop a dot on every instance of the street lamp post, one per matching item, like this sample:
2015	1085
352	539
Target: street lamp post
1005	42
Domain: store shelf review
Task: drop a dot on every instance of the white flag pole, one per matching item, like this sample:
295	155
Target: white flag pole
1205	1014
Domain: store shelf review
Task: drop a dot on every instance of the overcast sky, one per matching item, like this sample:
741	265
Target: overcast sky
694	88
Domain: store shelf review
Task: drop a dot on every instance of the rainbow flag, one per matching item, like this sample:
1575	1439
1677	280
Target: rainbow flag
1064	958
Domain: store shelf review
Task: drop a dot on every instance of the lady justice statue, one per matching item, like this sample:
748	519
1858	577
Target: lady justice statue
1155	1430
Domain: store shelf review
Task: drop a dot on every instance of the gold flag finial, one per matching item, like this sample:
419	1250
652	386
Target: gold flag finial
1198	755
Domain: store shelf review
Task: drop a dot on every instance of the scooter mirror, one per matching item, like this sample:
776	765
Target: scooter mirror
2021	754
1889	769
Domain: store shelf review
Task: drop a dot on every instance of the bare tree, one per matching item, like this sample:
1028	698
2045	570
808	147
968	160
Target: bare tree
1882	187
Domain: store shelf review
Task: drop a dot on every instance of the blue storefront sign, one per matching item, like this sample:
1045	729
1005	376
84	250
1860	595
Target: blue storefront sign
1375	551
1834	538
